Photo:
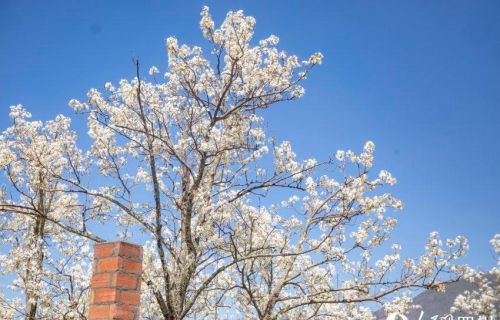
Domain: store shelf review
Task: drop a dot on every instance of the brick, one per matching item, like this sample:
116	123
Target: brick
109	264
132	266
130	297
116	282
129	250
102	250
122	312
125	281
105	295
99	312
101	280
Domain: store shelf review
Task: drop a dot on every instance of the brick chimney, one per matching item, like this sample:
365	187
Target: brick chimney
115	288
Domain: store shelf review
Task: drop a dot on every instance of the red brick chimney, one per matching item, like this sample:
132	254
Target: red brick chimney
115	288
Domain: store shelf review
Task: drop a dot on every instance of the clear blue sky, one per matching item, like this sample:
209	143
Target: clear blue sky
420	78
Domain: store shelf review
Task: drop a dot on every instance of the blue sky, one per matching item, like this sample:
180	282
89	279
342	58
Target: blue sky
420	78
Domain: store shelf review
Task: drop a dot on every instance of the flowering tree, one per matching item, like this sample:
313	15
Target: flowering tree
486	298
187	165
42	226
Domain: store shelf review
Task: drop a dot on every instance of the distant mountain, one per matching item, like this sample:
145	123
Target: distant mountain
436	303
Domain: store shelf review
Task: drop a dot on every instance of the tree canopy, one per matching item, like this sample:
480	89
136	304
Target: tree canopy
234	223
